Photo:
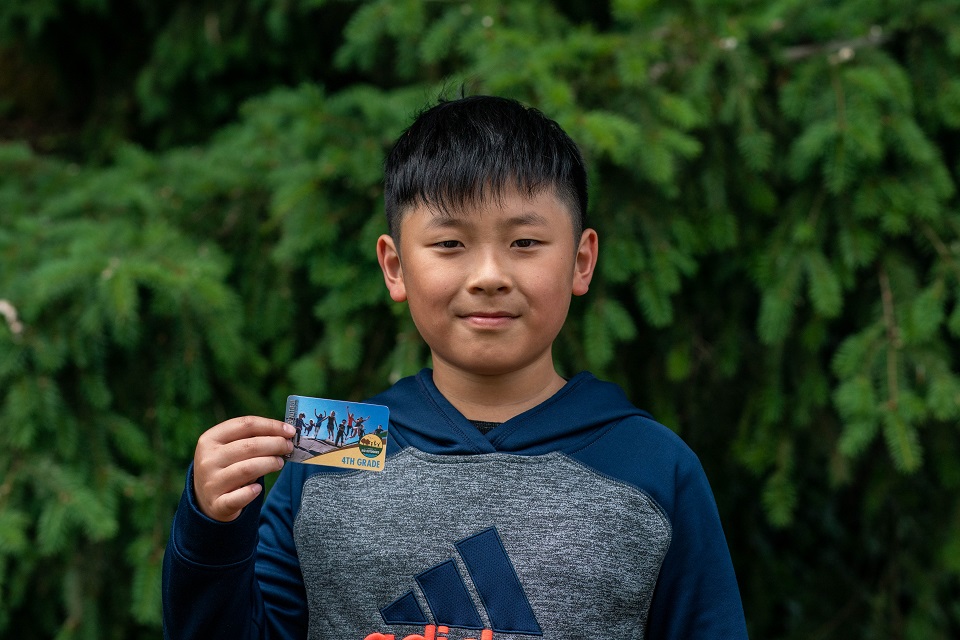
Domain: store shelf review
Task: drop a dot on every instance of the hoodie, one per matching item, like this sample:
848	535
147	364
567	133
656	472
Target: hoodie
579	518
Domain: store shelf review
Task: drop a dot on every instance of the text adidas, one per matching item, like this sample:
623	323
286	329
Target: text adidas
430	632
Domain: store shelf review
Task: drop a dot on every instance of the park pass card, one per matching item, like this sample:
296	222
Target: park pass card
335	433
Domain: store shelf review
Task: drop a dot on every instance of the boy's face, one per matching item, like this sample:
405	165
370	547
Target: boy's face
489	288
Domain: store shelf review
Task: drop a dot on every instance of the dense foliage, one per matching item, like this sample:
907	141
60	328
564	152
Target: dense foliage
190	195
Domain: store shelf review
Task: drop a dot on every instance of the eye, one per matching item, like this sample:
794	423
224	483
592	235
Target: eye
447	244
525	243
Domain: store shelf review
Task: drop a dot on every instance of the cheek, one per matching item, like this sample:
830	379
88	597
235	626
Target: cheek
553	300
553	287
427	299
558	313
435	284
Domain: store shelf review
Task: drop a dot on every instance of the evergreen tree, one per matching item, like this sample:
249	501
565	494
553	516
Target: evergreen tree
774	184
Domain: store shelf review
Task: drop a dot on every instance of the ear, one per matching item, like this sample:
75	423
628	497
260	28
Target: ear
389	259
587	253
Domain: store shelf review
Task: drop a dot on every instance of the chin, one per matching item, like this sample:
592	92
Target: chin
492	371
486	365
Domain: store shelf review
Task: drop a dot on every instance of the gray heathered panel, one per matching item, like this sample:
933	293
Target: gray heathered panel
587	548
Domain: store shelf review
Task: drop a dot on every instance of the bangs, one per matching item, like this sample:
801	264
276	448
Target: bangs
471	152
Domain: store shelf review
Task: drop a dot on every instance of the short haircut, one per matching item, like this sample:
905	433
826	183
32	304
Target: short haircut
460	152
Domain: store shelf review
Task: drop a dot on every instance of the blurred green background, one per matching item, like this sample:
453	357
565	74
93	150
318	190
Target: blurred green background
190	192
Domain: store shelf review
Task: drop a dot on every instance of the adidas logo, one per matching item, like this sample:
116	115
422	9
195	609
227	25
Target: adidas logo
495	580
430	632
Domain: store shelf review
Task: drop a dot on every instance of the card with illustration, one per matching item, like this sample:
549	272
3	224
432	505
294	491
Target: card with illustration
336	433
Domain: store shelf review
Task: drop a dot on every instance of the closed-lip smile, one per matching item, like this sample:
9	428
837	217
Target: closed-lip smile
488	318
487	314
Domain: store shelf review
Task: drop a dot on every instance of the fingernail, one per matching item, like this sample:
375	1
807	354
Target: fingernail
288	429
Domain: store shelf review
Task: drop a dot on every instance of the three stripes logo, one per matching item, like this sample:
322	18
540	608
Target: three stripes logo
448	598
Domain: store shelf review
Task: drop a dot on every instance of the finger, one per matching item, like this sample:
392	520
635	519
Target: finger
223	473
219	468
245	472
229	506
247	427
255	447
210	488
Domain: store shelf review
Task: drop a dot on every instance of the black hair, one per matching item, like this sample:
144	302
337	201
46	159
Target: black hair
461	152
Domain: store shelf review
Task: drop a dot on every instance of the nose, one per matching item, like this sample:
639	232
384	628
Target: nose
490	273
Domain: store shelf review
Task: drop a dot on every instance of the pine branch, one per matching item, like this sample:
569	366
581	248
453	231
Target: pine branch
840	50
941	248
7	485
893	335
841	100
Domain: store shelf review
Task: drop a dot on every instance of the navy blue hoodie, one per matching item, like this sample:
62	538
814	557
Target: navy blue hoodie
579	518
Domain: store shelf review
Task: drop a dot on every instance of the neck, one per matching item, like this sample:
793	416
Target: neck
496	398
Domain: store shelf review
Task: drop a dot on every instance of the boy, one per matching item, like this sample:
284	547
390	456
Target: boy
514	503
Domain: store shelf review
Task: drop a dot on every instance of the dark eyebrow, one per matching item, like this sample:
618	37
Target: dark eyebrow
529	218
446	221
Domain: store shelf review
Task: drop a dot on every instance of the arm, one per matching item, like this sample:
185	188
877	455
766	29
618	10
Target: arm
218	582
209	589
697	594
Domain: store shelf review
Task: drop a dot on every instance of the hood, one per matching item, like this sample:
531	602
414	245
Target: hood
421	417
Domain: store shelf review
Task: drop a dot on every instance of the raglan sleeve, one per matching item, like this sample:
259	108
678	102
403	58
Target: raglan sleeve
697	595
236	580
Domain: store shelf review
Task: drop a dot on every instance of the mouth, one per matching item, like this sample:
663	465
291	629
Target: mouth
488	314
488	319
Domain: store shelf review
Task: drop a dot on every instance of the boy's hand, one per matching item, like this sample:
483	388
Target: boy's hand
231	457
